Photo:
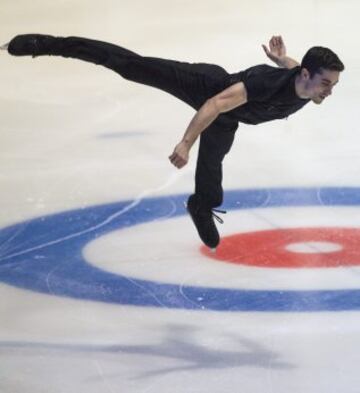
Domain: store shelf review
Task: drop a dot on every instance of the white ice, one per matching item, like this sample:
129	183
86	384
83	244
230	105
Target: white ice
75	135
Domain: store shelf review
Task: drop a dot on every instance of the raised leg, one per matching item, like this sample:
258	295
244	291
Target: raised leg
192	83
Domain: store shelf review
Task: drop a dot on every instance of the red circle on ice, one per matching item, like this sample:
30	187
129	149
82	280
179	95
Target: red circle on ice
291	248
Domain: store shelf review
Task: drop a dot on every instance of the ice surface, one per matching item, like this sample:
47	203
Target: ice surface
74	135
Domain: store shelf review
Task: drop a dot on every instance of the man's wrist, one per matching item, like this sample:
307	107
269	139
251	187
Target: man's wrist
281	61
187	142
287	62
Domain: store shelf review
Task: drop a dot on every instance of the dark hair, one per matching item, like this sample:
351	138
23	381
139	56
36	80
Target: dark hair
318	58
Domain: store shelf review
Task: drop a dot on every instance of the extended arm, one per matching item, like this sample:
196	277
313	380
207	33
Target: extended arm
277	53
225	101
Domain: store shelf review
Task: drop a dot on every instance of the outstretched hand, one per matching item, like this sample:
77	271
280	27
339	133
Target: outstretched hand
277	48
180	155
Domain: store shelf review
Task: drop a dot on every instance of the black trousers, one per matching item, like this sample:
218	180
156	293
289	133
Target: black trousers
191	83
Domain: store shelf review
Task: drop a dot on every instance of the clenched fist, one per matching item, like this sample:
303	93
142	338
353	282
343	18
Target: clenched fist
180	156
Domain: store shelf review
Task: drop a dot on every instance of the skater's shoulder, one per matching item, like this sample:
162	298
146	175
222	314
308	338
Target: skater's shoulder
261	73
267	74
265	69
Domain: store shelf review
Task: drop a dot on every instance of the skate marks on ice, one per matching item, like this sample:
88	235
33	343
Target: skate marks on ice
46	250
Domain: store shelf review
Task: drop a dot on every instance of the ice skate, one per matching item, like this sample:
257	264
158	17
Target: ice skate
203	219
31	45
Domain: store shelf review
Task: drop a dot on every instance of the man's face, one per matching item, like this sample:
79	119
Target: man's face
320	85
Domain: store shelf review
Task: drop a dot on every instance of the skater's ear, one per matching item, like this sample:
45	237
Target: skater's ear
305	74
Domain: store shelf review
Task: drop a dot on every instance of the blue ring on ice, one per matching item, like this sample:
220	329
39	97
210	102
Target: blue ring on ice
45	255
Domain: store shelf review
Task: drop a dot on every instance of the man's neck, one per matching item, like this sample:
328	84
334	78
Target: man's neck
299	88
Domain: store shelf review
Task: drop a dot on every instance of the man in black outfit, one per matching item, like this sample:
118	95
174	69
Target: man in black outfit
222	100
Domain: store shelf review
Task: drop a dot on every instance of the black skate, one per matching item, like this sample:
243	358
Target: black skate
31	45
203	219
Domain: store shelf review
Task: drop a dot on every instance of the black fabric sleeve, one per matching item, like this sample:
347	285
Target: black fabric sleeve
259	83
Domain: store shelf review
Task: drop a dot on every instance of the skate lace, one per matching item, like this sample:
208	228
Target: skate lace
217	218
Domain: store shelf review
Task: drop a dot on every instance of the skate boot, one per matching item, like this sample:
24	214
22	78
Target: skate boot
31	45
203	219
